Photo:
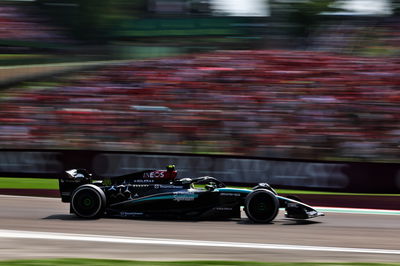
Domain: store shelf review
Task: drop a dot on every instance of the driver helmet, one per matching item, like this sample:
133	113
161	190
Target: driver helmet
171	172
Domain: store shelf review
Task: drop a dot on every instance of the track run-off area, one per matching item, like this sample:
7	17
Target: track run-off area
37	227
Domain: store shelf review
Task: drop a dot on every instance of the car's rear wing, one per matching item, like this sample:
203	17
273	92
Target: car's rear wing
72	179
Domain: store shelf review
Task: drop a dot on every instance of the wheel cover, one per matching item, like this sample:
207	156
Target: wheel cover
86	202
262	207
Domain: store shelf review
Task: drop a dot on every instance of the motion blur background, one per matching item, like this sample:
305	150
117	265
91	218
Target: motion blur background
316	79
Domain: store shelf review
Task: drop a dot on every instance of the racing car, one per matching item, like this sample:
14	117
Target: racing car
159	193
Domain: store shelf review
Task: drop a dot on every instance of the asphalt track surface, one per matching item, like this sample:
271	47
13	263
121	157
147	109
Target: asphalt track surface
34	227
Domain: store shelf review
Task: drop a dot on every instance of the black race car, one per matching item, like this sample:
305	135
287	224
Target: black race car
158	193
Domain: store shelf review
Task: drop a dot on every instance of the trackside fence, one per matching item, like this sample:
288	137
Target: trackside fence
312	175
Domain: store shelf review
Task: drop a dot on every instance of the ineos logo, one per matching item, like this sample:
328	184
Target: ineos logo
155	174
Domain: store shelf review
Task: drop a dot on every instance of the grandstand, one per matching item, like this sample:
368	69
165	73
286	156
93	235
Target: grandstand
268	103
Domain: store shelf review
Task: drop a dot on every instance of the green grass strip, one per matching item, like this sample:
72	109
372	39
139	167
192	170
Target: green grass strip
28	183
45	183
104	262
18	56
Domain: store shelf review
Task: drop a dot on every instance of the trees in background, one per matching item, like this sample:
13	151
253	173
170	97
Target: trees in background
395	7
298	18
91	20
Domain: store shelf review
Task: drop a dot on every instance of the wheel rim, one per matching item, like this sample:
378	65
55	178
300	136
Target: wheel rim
87	203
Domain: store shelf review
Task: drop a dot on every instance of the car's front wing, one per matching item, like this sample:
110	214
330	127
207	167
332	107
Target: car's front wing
298	210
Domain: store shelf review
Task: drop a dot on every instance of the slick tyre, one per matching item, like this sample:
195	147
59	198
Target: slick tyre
88	201
261	206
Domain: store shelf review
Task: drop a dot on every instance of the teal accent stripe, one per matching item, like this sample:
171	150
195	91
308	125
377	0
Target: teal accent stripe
233	190
143	199
177	197
155	198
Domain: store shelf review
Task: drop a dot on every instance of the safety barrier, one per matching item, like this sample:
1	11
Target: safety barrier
314	175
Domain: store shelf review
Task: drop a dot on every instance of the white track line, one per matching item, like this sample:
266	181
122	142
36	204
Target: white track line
358	210
179	242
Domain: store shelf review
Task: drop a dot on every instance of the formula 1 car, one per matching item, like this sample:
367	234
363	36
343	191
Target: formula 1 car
158	193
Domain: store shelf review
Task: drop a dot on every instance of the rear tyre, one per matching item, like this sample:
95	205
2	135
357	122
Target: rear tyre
88	201
261	206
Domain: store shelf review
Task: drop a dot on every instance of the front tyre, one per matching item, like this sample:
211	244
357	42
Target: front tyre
88	201
261	206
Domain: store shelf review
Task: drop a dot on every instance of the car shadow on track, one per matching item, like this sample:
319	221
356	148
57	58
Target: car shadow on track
71	217
299	222
64	217
280	222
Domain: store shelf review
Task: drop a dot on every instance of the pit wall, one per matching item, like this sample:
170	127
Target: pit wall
359	177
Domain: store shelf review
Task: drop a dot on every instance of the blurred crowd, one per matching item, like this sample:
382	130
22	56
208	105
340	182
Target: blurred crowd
21	23
272	103
364	37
